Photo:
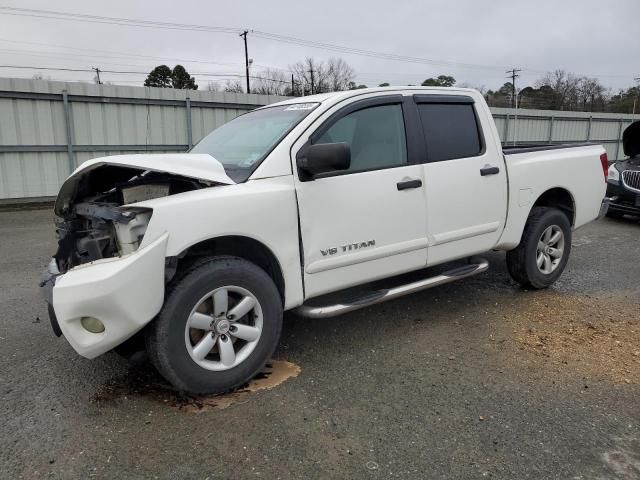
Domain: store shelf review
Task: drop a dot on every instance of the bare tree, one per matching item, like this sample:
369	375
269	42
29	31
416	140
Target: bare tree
564	88
592	94
481	88
315	76
567	91
233	86
307	74
213	87
339	74
271	82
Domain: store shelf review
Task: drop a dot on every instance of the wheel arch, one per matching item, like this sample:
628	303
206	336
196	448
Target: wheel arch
239	246
560	198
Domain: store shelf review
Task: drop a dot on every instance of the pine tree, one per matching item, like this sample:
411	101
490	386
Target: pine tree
182	80
159	77
163	77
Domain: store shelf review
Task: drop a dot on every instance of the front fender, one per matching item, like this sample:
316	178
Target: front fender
264	210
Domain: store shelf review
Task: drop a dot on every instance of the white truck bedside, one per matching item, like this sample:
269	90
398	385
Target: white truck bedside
197	255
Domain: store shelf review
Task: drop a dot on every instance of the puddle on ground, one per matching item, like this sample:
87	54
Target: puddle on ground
624	459
147	383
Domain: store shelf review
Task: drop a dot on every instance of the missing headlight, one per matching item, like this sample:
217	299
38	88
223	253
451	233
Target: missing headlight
129	234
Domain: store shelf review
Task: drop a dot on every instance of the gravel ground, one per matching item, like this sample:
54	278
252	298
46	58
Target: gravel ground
475	379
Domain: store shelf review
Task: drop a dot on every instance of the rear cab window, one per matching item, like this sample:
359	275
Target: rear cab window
450	127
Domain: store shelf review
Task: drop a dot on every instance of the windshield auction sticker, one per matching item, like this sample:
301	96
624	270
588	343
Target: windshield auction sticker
301	106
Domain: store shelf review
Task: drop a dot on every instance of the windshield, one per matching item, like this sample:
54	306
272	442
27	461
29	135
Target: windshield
242	144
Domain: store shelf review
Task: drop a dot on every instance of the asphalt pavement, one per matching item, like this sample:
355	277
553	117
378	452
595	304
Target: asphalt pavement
476	379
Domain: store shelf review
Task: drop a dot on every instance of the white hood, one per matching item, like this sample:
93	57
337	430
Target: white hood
193	165
199	166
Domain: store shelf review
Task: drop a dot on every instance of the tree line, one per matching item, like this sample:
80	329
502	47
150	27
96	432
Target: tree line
561	90
558	90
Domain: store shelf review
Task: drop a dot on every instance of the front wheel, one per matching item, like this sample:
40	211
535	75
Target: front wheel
544	249
220	323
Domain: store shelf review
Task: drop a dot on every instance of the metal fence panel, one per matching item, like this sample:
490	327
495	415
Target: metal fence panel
47	128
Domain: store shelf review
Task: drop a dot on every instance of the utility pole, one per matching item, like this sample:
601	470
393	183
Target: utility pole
635	100
312	82
293	87
513	75
246	58
97	70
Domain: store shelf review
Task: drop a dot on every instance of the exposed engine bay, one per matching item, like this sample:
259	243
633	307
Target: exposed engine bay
99	219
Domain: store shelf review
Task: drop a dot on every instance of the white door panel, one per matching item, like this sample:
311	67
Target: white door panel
359	227
465	177
465	210
370	221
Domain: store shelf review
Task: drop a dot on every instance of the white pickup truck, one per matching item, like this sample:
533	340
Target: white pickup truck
198	254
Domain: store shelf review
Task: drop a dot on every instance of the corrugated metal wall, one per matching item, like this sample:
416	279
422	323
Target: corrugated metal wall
48	128
546	126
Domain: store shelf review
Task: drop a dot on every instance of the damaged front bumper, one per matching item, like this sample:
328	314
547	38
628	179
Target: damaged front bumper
47	281
123	293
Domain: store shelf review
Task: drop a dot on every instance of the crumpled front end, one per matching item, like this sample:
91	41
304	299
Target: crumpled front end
99	305
101	285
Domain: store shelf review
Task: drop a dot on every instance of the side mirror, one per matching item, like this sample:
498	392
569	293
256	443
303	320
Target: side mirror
323	158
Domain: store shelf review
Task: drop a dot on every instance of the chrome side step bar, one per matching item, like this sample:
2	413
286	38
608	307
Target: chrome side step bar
371	298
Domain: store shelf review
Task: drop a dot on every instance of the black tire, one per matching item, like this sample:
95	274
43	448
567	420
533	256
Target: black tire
521	262
165	336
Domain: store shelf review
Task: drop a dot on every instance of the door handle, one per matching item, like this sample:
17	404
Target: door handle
407	184
489	170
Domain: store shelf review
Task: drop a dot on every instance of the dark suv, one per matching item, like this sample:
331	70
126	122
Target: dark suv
623	183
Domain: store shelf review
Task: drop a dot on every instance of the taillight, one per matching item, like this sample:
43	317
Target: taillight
605	165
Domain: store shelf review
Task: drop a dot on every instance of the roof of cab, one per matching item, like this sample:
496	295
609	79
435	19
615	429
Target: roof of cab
341	95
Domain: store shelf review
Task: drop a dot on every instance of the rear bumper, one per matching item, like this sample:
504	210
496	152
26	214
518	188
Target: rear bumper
123	293
604	207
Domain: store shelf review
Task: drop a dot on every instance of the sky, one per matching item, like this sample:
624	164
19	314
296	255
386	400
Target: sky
473	41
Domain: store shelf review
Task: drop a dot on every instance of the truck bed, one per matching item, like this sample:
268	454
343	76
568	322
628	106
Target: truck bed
538	147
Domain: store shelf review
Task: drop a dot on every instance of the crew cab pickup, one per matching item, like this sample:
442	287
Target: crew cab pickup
198	254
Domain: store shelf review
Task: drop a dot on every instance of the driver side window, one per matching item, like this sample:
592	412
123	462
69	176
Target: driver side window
375	134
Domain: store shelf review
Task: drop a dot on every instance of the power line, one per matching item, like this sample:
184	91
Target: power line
367	53
68	55
30	12
112	54
57	15
130	72
59	69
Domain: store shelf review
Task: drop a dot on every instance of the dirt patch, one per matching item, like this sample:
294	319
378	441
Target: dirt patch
145	382
588	335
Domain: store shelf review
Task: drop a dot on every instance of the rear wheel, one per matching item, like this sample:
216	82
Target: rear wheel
219	325
544	250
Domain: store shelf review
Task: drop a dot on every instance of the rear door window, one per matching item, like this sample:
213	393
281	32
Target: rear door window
450	131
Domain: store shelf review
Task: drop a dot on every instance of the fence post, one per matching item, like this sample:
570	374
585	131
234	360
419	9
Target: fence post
589	127
550	129
189	132
618	142
67	122
506	129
